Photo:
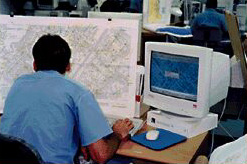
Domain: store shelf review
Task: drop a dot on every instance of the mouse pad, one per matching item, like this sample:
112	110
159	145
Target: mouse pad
164	140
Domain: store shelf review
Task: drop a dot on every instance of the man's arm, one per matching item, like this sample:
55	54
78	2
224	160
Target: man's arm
105	148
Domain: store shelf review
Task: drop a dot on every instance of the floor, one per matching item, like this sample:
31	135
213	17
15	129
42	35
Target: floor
232	124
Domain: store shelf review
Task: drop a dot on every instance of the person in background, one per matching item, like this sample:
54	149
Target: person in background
57	116
210	18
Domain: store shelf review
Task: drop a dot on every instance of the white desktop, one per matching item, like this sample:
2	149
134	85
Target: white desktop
183	82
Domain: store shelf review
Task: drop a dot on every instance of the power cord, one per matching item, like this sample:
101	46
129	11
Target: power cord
223	111
212	144
227	132
213	132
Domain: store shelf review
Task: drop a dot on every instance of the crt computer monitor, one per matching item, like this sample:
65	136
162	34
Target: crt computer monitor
54	4
184	80
47	4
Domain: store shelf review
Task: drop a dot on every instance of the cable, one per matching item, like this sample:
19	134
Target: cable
241	111
227	132
212	144
223	111
213	132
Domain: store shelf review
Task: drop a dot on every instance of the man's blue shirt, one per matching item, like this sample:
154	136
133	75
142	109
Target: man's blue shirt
53	114
210	18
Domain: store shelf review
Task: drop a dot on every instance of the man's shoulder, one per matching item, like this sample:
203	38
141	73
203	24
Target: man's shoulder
60	80
210	14
75	84
201	16
25	77
214	12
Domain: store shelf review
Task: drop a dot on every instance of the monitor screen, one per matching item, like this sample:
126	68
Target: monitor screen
174	75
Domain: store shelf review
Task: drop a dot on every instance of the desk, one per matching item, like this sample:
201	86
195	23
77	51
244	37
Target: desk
185	152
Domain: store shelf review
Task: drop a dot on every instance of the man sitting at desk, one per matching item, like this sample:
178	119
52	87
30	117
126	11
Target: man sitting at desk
56	115
210	18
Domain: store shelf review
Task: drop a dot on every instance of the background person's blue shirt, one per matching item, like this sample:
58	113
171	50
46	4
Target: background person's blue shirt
54	115
209	18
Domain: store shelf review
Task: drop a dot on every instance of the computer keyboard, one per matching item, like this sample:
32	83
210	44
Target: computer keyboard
138	123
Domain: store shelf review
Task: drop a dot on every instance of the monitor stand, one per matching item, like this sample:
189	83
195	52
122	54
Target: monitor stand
179	117
183	125
171	115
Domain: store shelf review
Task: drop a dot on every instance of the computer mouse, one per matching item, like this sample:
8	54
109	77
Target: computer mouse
152	135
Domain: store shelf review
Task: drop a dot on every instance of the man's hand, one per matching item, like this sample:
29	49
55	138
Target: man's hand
105	148
122	127
85	153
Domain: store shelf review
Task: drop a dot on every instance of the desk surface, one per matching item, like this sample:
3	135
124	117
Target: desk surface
180	153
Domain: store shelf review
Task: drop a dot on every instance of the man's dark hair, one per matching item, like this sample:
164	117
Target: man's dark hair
51	52
211	4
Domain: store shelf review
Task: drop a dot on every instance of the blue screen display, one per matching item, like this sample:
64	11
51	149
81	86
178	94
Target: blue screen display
174	75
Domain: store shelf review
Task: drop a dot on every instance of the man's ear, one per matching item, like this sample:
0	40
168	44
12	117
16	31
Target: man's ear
68	68
34	66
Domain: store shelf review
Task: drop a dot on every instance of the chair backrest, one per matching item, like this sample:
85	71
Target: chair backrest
207	36
15	150
233	29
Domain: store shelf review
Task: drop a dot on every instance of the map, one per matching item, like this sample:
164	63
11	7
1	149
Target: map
104	55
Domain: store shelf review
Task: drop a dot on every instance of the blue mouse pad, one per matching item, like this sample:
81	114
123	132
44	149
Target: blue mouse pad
164	140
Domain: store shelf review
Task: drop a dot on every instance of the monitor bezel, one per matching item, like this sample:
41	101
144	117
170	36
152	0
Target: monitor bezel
175	105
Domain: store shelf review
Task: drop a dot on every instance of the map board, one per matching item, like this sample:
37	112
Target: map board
104	55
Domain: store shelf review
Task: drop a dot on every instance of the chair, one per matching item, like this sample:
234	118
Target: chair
207	37
15	150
